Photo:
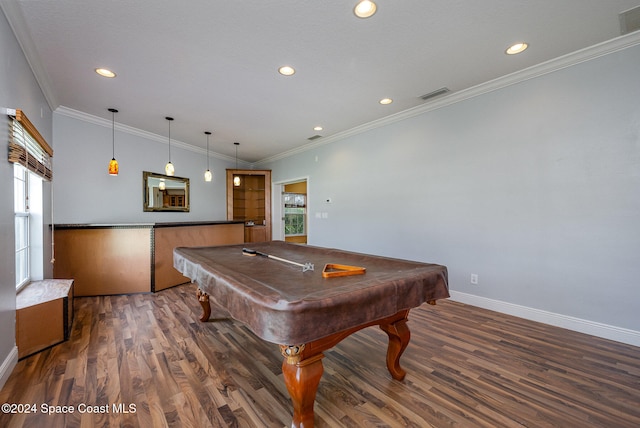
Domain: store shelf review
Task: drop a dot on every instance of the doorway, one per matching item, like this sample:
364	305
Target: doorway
290	209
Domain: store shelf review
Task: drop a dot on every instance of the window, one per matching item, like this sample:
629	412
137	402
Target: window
21	209
29	234
31	156
295	214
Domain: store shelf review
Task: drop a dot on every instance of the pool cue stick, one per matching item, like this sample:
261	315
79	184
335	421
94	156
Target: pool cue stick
305	266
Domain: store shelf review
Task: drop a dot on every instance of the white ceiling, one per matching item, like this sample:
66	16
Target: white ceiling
212	64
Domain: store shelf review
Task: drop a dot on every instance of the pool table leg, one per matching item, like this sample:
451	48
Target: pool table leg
301	378
399	336
203	298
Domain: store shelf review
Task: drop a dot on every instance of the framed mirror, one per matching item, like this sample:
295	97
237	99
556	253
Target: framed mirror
164	193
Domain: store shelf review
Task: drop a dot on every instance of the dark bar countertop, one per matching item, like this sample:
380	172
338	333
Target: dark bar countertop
142	225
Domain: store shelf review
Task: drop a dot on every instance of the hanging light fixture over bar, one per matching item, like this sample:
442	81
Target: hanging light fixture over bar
113	164
236	178
168	169
207	174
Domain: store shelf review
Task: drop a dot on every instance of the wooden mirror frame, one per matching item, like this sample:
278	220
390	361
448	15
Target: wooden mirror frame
177	187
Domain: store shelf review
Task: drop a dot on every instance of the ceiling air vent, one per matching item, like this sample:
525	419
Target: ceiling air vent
315	137
434	94
630	20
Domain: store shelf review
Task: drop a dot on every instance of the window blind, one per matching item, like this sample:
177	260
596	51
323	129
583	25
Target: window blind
27	147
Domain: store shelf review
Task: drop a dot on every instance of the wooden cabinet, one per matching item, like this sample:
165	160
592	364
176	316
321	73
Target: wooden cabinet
255	234
249	201
169	200
44	314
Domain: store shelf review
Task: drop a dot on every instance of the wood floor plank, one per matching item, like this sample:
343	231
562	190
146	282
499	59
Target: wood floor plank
465	366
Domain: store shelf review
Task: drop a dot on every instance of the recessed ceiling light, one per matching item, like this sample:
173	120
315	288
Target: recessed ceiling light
104	72
286	70
317	128
385	101
516	49
365	9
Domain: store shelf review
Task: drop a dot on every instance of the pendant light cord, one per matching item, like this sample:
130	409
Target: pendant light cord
208	133
53	243
169	139
113	133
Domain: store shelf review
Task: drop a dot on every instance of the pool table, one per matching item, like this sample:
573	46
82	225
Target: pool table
305	312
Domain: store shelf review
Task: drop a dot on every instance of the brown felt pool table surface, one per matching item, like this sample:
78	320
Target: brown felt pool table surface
282	304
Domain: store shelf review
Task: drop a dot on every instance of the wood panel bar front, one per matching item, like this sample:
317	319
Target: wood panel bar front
169	237
104	260
132	258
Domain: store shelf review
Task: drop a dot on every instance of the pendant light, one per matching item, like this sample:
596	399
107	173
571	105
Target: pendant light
207	174
168	169
113	164
236	178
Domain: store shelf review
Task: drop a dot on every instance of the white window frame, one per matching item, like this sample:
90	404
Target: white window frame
31	155
303	207
21	210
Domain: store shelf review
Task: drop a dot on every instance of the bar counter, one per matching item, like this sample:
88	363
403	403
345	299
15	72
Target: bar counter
124	258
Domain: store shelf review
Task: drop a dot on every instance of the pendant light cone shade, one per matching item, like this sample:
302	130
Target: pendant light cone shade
207	174
236	178
113	163
113	167
168	168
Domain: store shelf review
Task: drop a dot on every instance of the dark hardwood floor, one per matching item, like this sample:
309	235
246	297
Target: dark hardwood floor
466	367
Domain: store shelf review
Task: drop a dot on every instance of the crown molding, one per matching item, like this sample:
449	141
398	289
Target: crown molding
565	61
96	120
18	25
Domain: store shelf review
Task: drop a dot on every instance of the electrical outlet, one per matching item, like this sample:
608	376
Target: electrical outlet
474	278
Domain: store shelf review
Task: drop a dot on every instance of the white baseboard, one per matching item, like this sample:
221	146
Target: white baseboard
619	334
8	365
